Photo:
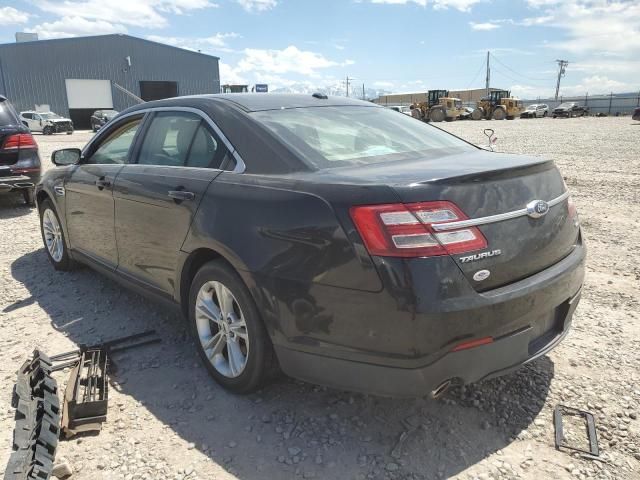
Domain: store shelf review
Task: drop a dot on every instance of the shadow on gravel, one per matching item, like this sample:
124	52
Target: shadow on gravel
12	205
290	427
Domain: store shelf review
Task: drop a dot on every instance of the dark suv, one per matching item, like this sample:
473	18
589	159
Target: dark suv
344	243
19	159
570	109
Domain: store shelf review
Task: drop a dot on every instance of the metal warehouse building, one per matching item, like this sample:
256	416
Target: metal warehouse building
75	76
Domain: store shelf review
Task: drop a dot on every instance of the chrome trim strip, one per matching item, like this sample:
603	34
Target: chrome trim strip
472	222
240	165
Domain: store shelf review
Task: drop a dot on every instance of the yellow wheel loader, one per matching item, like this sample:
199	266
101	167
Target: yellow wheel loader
438	107
498	106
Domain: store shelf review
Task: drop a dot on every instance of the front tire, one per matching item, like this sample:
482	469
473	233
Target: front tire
499	114
227	329
47	130
54	239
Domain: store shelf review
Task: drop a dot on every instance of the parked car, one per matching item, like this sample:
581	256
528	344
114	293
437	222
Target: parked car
570	109
535	111
19	159
636	114
401	108
326	236
47	123
101	117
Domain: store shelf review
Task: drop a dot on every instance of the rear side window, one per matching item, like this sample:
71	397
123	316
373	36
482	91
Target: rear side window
8	115
179	139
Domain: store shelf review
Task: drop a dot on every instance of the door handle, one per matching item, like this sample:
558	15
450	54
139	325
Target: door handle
102	183
180	195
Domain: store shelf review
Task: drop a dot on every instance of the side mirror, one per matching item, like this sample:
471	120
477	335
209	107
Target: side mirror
66	156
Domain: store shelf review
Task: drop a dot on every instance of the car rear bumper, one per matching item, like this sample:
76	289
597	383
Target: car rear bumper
526	320
18	182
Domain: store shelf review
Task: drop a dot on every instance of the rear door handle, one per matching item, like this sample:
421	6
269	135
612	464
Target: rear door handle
102	183
181	195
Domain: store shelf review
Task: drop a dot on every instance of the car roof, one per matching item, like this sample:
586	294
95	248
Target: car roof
256	102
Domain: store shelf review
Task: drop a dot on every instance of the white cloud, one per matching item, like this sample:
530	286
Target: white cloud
257	5
74	27
462	5
212	44
140	13
229	74
12	16
486	26
383	84
288	60
606	27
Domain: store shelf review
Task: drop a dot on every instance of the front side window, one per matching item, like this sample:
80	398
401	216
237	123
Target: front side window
181	139
328	137
114	149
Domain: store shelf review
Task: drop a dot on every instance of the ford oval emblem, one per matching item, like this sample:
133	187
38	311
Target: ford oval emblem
481	275
537	208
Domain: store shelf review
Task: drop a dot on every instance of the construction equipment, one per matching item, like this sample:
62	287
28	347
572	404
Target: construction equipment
498	106
438	107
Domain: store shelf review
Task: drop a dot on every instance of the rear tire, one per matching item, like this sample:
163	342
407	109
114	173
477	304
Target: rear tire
29	196
228	331
53	238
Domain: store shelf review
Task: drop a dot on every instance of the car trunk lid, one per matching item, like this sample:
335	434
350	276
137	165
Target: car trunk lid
485	185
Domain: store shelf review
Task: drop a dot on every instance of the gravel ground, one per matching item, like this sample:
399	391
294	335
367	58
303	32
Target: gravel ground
167	420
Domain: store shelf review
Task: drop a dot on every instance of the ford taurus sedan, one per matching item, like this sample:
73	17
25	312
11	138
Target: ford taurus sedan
329	238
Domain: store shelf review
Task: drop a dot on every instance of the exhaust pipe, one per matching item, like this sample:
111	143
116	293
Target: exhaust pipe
441	389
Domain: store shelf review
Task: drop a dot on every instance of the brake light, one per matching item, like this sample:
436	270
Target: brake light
20	141
404	230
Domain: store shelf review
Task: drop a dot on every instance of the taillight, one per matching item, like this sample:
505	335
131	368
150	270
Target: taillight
404	230
19	141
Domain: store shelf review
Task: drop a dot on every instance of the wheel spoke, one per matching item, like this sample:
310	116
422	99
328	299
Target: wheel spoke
236	358
225	300
216	344
239	328
208	308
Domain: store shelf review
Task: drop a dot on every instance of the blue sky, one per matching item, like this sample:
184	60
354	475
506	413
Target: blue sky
392	45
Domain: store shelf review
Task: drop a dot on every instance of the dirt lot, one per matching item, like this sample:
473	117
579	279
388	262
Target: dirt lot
167	420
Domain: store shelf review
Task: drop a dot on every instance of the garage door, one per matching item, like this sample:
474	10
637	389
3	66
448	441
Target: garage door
89	93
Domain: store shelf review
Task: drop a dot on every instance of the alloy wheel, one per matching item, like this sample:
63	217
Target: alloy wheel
52	235
222	329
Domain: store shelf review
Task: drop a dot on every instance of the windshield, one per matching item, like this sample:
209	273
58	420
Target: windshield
109	113
532	107
566	105
328	137
49	115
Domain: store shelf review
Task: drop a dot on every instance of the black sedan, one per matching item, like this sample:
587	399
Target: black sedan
19	158
636	114
570	109
100	118
327	237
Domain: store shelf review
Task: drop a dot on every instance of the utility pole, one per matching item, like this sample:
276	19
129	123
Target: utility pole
347	81
488	74
562	64
363	91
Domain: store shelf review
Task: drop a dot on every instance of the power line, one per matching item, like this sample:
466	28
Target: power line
528	82
476	75
519	74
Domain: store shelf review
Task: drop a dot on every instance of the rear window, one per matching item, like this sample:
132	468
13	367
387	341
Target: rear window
8	115
328	137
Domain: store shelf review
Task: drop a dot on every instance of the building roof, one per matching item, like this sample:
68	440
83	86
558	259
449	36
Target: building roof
111	35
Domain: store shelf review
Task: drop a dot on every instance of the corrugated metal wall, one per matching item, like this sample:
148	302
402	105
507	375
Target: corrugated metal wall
34	72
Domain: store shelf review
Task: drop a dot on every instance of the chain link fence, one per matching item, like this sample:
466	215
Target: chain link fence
611	104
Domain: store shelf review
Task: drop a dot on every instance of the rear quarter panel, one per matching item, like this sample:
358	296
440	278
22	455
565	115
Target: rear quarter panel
281	240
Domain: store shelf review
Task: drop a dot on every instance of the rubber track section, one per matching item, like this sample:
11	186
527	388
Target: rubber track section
35	437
